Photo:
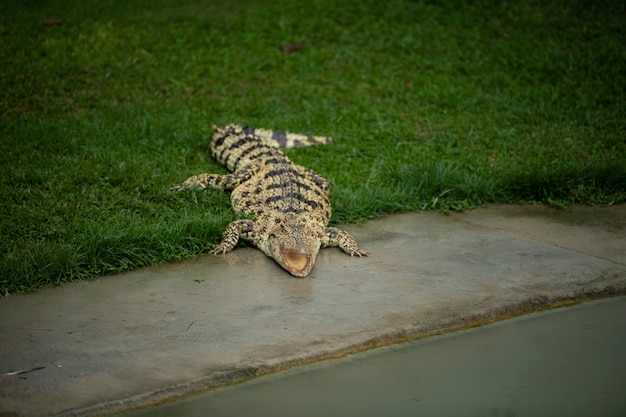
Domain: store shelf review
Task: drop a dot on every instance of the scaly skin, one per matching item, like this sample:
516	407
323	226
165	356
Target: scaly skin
290	203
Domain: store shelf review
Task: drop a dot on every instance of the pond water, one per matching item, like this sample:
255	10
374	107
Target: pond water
565	362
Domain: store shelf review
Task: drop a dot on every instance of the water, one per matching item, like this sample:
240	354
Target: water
565	362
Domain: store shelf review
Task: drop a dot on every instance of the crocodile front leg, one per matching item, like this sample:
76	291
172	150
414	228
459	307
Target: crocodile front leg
343	239
232	233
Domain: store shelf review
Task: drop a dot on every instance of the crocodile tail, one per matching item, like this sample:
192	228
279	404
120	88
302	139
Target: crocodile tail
278	139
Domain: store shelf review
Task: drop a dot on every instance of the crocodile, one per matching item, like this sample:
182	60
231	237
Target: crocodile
288	204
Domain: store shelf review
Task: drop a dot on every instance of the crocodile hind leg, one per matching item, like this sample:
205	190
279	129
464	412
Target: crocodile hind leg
343	239
219	182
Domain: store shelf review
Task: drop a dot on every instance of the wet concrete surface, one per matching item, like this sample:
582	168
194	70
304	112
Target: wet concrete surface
145	336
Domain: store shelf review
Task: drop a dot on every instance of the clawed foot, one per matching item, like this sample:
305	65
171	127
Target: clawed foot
219	250
186	185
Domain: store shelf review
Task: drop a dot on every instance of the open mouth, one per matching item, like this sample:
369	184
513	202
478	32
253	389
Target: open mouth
298	264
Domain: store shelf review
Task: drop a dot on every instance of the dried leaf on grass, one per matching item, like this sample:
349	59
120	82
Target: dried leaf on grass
51	21
293	47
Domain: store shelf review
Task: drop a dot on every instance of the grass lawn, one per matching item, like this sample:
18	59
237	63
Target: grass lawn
442	105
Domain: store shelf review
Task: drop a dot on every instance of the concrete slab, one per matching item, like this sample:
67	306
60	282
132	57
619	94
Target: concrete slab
141	337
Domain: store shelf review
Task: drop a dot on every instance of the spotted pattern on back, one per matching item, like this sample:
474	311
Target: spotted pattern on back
290	203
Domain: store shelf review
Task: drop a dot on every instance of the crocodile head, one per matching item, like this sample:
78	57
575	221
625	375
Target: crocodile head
294	245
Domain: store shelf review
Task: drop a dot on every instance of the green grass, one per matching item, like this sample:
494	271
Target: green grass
432	105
